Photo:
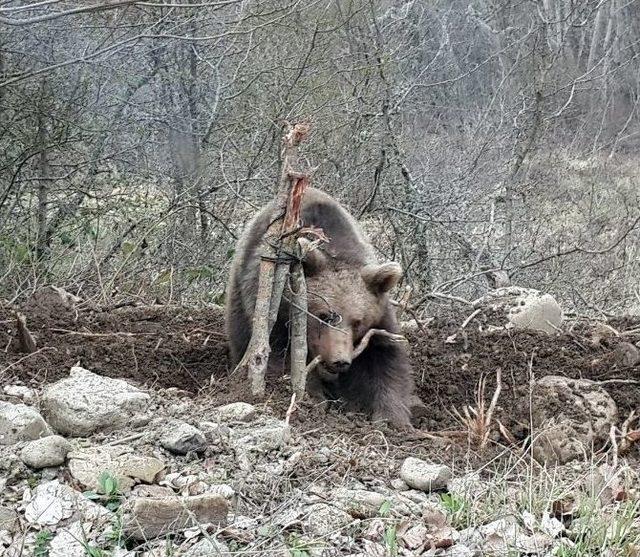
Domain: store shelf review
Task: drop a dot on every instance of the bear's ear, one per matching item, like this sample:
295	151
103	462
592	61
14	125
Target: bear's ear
313	259
381	278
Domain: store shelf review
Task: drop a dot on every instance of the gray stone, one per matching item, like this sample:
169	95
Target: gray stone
359	503
181	438
149	517
268	437
19	422
88	465
235	412
19	391
86	402
627	354
208	548
325	520
399	485
142	490
8	519
570	416
45	452
424	476
215	432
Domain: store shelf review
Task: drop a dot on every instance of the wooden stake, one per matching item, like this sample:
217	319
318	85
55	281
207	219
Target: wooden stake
298	327
256	357
274	268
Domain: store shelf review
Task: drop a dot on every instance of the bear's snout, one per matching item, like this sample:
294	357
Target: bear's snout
339	366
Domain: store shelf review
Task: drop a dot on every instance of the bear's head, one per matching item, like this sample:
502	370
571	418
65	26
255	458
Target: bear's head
344	302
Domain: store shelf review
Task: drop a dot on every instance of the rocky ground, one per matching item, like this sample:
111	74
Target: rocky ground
122	433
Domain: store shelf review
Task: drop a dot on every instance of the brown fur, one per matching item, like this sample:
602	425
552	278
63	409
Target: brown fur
344	281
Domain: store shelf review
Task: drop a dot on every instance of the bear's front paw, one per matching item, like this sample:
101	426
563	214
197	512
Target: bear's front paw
397	420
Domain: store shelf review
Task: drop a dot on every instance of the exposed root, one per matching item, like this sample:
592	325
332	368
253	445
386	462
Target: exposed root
628	438
477	420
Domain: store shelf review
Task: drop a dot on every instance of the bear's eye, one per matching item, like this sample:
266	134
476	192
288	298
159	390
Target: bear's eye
330	318
356	324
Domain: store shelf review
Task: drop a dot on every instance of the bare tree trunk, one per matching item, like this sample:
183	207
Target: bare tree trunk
595	38
42	243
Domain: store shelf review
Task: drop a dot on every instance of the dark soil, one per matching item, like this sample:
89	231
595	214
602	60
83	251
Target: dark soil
165	346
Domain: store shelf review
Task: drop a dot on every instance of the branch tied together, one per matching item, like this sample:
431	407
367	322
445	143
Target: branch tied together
280	239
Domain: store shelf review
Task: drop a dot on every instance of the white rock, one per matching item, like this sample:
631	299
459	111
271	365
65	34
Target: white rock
359	503
48	451
86	402
19	391
268	437
225	490
121	552
425	476
570	416
399	485
88	465
52	502
208	548
551	526
236	412
325	520
180	438
505	536
19	422
68	542
416	536
524	308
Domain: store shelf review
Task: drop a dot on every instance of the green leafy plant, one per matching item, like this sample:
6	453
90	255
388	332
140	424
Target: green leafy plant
92	551
110	491
390	537
116	535
385	509
458	509
299	547
43	540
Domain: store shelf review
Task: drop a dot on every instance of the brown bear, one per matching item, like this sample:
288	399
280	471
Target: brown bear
347	296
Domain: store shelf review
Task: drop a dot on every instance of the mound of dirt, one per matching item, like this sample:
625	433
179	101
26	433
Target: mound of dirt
185	348
152	345
447	374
